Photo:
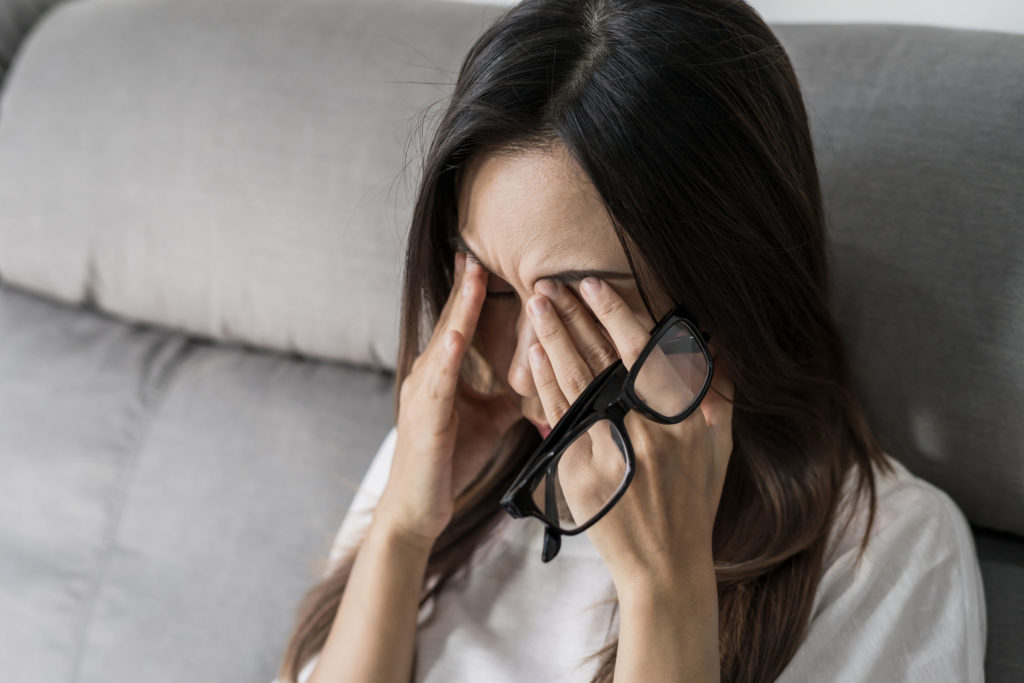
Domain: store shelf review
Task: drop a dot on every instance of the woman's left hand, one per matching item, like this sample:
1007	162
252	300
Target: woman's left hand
659	532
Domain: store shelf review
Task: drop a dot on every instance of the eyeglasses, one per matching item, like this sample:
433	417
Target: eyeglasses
582	468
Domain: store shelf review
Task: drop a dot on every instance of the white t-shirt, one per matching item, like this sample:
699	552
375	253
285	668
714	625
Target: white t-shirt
913	610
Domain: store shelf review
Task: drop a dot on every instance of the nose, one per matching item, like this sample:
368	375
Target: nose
520	377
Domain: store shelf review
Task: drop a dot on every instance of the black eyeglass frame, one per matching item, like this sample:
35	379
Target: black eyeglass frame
614	390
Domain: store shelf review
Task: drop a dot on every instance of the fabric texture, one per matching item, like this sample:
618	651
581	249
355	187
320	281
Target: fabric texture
17	17
912	610
164	503
234	169
1002	566
242	170
918	136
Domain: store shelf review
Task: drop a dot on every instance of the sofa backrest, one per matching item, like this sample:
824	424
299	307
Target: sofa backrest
239	169
17	18
919	136
243	170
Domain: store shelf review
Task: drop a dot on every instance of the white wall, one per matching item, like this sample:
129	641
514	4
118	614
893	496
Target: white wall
993	15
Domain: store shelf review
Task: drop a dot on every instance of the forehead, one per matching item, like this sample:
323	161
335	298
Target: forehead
531	212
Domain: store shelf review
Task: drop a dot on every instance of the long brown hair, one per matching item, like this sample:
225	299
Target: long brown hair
688	119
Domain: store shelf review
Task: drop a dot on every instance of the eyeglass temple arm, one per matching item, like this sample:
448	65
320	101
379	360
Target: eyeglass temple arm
552	544
552	539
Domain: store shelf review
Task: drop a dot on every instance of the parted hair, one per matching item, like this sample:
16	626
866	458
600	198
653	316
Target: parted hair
688	119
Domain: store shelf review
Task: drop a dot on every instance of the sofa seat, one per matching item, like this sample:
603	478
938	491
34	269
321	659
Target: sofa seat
164	501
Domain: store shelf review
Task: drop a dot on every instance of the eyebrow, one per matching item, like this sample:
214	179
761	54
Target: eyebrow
564	276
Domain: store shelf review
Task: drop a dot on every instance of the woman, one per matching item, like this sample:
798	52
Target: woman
601	164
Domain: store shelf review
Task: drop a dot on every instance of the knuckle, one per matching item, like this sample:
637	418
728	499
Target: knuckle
598	355
576	381
547	333
636	346
572	314
439	386
435	439
547	383
606	306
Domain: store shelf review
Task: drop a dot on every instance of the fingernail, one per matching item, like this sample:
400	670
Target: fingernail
590	286
547	287
536	354
538	306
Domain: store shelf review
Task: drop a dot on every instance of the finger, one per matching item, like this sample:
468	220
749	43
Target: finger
552	399
595	348
628	332
462	310
469	300
662	383
443	380
460	268
571	371
590	470
609	458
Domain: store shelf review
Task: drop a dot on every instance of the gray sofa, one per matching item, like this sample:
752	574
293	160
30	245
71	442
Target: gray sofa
202	209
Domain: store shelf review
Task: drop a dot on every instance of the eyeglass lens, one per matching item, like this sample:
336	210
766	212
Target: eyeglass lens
580	481
674	372
584	477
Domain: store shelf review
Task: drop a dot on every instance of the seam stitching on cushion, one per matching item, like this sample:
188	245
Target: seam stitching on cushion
178	350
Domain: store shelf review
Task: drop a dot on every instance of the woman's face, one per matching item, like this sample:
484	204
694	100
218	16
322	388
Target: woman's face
527	216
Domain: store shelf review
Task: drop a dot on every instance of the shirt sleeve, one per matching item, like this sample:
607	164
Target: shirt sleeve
360	513
912	610
356	520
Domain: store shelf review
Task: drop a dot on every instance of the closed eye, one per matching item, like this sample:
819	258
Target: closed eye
498	288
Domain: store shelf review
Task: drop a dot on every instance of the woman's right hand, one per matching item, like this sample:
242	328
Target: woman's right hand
438	450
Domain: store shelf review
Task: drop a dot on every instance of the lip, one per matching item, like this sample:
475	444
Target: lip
542	427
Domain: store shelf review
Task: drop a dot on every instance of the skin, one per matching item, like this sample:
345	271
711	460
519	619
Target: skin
533	222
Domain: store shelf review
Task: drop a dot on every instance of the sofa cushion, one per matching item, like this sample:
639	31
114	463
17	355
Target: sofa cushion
918	137
1002	568
234	169
230	169
17	17
164	503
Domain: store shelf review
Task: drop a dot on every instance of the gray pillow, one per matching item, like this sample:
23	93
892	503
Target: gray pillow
234	169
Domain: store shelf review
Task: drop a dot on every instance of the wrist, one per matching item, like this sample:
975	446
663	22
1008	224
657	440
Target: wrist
668	631
693	585
386	532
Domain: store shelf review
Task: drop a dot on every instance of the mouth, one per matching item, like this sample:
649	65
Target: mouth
542	427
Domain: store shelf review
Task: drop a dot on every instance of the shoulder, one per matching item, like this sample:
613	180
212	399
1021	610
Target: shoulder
912	606
915	524
905	505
